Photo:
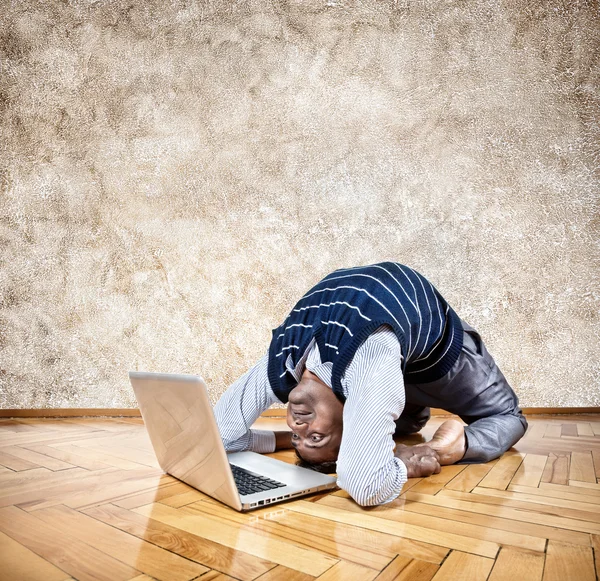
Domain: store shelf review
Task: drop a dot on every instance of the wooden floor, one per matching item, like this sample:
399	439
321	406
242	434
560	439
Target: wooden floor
85	499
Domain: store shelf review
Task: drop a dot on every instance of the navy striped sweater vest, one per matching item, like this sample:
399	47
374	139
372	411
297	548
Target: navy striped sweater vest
342	310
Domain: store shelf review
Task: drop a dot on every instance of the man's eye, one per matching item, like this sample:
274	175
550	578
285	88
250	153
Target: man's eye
295	436
316	438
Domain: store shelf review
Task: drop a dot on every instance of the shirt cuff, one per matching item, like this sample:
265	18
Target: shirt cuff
402	478
403	471
263	441
396	485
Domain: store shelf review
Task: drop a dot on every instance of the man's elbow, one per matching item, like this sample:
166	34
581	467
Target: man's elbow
367	498
368	494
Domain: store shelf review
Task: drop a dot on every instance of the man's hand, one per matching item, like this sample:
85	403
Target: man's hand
419	460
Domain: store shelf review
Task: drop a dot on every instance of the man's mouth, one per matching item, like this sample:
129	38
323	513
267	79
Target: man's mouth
300	413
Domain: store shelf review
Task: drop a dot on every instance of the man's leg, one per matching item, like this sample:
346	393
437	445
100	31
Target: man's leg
476	390
412	420
449	441
495	421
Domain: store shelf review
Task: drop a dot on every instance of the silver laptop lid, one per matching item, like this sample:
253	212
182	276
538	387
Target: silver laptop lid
184	434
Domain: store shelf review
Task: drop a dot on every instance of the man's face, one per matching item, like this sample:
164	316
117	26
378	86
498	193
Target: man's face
314	415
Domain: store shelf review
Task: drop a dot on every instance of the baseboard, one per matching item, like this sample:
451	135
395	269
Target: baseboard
270	413
560	411
71	413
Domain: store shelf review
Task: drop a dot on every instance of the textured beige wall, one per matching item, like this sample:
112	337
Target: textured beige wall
175	174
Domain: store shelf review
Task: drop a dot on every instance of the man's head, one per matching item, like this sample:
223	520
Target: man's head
314	415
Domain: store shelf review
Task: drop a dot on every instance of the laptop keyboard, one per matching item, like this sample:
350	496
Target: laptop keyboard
249	483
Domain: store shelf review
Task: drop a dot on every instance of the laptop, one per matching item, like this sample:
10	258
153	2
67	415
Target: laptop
186	440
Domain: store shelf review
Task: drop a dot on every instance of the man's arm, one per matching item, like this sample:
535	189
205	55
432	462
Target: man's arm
368	468
283	439
241	405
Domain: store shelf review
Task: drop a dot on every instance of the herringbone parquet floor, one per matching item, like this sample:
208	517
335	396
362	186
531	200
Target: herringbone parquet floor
84	499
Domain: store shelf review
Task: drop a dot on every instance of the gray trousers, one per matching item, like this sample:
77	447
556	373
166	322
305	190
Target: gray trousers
475	390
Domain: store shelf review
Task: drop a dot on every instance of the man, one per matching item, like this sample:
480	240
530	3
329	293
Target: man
360	359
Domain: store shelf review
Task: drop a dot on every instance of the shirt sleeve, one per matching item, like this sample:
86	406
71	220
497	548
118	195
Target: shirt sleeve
374	387
241	405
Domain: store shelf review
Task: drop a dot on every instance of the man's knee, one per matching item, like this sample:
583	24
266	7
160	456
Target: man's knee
524	423
488	438
520	426
483	457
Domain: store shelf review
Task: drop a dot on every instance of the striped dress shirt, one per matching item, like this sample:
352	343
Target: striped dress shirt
373	387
